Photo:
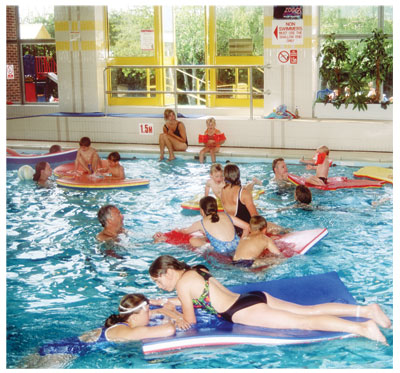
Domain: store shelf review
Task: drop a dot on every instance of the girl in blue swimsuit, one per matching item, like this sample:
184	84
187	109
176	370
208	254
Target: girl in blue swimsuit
217	227
195	286
130	324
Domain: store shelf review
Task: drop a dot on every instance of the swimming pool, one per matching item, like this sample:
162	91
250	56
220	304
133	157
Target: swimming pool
61	282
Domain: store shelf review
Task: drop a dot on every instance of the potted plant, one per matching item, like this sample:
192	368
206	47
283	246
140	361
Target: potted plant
377	60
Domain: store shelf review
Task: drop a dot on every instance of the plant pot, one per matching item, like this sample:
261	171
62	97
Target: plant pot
374	112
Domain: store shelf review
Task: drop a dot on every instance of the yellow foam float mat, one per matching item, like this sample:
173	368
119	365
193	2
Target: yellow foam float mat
95	182
193	204
376	173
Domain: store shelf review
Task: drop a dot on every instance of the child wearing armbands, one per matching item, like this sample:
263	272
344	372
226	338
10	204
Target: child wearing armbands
212	139
321	166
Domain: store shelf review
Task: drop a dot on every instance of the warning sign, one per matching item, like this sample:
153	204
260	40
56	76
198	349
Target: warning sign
287	57
10	71
287	31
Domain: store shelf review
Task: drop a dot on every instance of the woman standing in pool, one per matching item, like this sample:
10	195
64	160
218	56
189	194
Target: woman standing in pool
173	136
195	286
217	227
238	201
42	173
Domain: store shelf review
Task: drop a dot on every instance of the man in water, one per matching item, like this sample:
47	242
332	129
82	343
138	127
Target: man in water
112	221
280	170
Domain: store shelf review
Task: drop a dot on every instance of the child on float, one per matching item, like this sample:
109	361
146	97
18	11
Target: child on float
217	227
212	139
114	169
216	181
196	287
130	324
321	166
87	157
255	244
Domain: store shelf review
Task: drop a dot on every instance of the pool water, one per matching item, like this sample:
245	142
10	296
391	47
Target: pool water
61	282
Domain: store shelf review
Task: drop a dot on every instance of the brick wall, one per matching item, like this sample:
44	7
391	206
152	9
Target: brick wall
14	93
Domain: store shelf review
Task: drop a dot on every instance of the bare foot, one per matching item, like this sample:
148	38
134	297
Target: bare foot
161	158
371	331
171	159
379	316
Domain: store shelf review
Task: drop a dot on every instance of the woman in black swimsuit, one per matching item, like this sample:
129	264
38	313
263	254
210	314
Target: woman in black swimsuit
196	287
173	136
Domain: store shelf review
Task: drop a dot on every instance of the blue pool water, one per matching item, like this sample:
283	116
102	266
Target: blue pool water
61	282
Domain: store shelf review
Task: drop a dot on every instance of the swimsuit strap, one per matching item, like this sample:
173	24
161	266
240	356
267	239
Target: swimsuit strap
204	300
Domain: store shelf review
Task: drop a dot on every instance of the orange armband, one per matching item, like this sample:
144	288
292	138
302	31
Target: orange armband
203	138
220	137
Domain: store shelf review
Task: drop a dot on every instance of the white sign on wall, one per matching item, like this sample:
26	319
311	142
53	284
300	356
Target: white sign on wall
287	31
10	71
146	129
147	40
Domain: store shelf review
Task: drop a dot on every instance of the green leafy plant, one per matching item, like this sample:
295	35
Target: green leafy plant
334	63
377	59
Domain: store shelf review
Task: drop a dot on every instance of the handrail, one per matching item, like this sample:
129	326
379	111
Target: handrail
177	91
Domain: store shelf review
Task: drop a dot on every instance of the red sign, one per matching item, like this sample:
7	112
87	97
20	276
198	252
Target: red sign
283	56
293	56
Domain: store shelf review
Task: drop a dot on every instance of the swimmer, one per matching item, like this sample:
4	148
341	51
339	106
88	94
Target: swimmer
302	197
195	286
321	166
55	149
280	170
217	227
238	201
114	167
86	157
216	181
112	220
130	324
42	173
251	247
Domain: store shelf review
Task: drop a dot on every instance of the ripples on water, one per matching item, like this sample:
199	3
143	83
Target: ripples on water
61	282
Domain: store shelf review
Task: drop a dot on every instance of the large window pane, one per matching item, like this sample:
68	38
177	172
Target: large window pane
348	19
388	20
240	31
131	29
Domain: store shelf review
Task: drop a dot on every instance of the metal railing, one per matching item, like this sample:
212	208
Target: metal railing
177	91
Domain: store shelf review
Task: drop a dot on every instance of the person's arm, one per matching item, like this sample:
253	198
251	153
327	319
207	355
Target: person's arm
241	224
311	167
195	227
270	245
182	131
141	332
118	173
247	199
207	188
184	295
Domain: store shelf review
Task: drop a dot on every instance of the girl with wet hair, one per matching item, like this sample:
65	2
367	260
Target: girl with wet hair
196	287
42	173
216	227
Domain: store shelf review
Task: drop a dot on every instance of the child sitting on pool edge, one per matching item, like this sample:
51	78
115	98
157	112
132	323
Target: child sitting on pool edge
87	157
114	168
212	139
251	247
321	166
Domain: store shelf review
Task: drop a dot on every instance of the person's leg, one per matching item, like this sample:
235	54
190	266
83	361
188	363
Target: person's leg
315	180
202	154
174	145
263	315
213	152
161	141
96	162
371	311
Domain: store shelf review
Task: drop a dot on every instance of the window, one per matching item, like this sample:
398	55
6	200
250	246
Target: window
351	24
38	50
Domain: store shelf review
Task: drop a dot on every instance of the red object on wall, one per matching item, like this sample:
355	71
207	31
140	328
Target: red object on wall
44	66
30	92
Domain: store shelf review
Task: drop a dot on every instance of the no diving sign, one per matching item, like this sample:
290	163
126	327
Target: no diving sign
287	57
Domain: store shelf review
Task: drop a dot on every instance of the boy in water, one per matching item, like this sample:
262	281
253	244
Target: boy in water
321	166
87	157
252	246
114	168
216	181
